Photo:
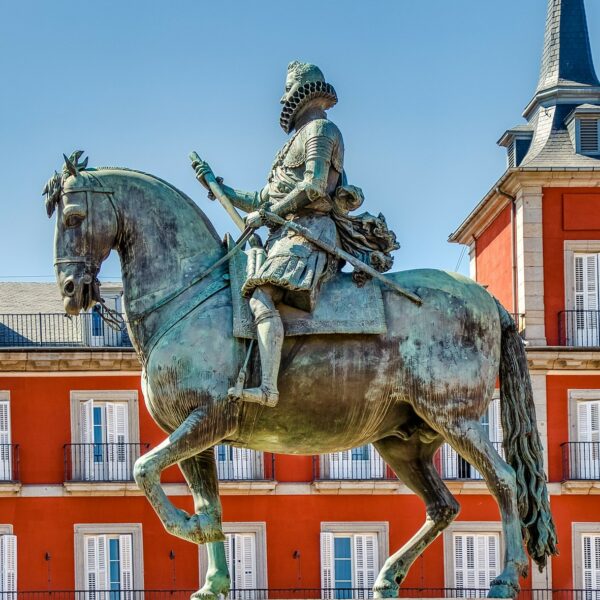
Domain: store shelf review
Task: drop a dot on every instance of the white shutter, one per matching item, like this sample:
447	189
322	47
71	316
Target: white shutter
587	454
327	564
117	436
228	546
449	462
8	555
591	561
476	559
246	548
5	449
87	422
377	464
96	562
126	560
340	465
365	561
586	299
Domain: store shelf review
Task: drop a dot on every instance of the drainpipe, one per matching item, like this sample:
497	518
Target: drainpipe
513	226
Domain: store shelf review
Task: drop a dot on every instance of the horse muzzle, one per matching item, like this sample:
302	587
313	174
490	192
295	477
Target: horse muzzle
78	293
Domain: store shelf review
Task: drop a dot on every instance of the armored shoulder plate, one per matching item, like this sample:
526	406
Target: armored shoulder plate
319	128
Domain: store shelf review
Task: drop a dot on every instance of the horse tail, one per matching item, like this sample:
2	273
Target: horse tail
522	444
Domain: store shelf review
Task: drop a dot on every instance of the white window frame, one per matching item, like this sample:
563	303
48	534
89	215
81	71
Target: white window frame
137	549
466	528
380	528
576	396
7	529
259	529
572	247
579	529
5	397
101	396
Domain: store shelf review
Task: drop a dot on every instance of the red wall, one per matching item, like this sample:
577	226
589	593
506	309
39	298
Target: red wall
494	258
563	219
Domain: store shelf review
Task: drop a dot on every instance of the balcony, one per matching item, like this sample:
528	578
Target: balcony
56	330
581	461
9	465
358	464
453	467
579	328
242	471
101	463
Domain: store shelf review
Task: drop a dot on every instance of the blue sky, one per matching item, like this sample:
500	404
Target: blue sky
426	88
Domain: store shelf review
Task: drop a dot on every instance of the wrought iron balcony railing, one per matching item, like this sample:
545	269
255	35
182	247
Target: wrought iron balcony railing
361	463
581	461
241	464
87	330
579	328
295	594
101	462
453	467
9	463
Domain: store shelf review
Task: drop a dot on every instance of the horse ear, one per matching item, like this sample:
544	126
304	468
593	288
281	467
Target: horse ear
71	168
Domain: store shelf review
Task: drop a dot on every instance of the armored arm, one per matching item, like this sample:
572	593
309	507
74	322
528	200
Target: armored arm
246	201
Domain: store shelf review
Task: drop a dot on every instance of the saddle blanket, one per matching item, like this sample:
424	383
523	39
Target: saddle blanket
342	306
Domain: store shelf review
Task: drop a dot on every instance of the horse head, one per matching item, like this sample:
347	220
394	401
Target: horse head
87	228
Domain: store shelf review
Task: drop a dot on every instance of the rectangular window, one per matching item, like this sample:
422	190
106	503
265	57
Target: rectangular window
582	326
585	456
108	566
476	562
349	564
8	564
234	464
454	466
105	453
591	562
6	451
240	553
359	463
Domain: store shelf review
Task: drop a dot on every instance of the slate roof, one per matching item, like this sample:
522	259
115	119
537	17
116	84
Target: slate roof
567	57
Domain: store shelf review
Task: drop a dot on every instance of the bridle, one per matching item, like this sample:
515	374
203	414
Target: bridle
90	267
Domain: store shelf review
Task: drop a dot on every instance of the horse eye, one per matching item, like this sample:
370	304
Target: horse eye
73	220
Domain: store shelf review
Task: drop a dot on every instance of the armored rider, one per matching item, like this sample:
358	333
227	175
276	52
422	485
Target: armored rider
307	185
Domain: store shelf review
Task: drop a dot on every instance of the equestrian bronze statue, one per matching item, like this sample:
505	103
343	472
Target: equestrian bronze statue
343	359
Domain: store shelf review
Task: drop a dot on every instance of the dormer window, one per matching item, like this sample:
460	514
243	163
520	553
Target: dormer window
588	136
584	129
517	142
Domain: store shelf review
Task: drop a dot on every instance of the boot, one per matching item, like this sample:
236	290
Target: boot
269	329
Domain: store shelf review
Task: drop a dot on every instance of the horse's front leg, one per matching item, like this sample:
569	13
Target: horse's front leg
201	430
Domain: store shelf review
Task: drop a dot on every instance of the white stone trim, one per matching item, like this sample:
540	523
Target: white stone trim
129	396
259	529
530	262
137	548
6	529
540	401
473	260
578	530
381	528
466	527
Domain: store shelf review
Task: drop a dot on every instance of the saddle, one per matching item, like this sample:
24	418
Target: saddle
342	308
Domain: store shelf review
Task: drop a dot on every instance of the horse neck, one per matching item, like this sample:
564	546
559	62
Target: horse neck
164	239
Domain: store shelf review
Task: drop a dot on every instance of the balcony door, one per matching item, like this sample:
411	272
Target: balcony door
455	466
240	554
585	324
5	442
235	464
587	455
104	452
96	332
359	463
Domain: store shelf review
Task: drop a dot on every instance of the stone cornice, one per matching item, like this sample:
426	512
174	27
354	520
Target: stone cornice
68	360
553	358
492	204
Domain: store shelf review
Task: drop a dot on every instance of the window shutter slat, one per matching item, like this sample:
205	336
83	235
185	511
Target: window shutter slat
248	549
126	558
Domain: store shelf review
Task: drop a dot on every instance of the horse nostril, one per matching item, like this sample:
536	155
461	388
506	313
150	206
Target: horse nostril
69	288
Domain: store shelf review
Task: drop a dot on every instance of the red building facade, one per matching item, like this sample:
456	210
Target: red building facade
73	421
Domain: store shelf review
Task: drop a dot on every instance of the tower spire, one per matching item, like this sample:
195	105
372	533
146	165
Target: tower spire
567	58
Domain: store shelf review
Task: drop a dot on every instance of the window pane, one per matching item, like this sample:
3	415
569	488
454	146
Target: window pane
342	547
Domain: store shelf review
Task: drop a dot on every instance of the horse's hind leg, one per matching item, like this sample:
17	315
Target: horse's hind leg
470	440
201	475
412	461
201	430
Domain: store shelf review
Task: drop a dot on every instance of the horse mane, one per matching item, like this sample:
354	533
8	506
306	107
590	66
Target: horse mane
54	186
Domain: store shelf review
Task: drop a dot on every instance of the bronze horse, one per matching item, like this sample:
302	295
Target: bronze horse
428	380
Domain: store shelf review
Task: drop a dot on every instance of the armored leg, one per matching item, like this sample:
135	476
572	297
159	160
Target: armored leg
269	330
